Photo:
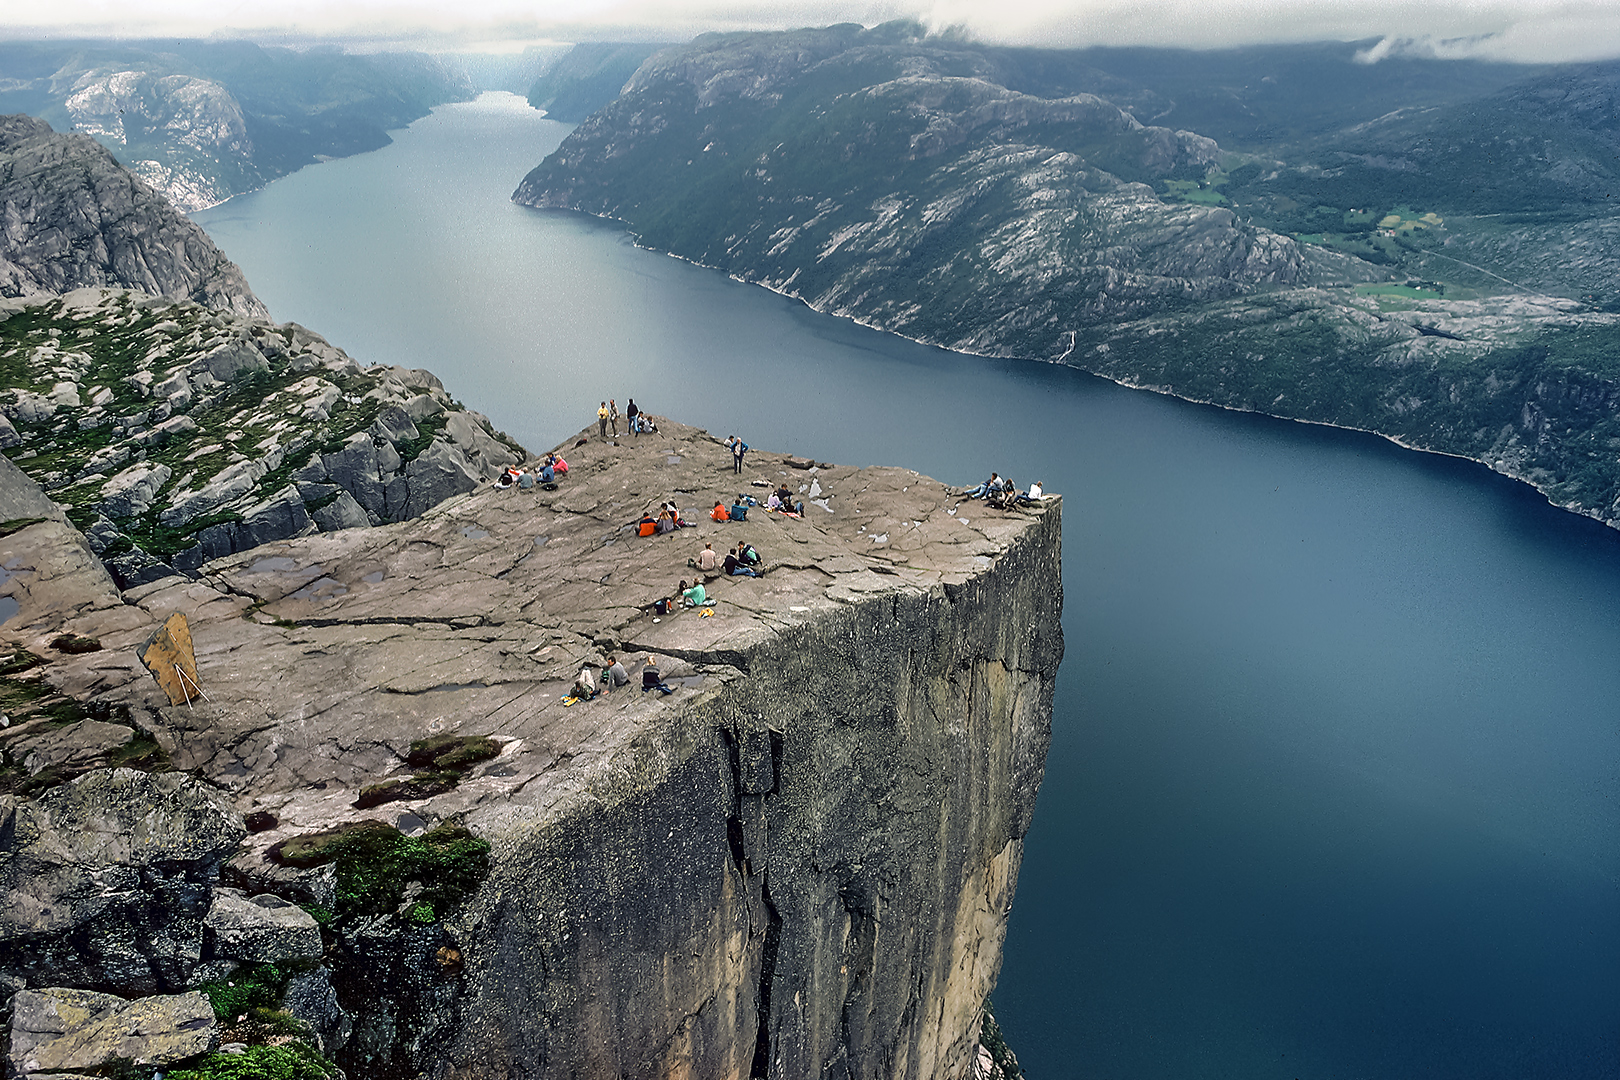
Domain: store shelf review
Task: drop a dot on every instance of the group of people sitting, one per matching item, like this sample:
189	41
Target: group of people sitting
740	561
546	473
1001	493
613	676
779	501
668	520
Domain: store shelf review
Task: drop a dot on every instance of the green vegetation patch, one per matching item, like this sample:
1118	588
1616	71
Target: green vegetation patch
991	1039
259	987
376	861
443	759
290	1061
452	751
1204	192
18	525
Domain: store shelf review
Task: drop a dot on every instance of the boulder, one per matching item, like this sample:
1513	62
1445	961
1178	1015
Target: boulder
469	431
310	998
441	472
166	431
8	434
280	517
259	930
132	492
394	424
422	406
79	1031
230	484
232	360
136	567
105	881
31	407
354	469
345	513
176	390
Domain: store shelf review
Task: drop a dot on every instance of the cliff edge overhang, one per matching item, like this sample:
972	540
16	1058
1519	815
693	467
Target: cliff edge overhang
800	860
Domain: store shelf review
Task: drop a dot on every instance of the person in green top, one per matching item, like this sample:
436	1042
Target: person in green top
696	595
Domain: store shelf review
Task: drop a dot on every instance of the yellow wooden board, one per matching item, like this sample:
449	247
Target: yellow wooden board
168	655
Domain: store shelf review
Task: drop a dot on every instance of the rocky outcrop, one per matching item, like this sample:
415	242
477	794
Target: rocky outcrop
176	435
107	880
59	1030
798	861
209	154
73	217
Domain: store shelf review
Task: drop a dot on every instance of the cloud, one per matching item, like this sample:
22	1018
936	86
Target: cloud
1524	30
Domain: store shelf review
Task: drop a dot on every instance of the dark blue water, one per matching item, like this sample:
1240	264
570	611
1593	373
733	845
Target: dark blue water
1334	789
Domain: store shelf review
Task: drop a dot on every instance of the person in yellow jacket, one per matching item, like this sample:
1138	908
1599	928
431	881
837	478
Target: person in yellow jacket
601	420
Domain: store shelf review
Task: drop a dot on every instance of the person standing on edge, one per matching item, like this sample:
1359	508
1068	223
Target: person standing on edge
630	412
601	421
613	416
738	449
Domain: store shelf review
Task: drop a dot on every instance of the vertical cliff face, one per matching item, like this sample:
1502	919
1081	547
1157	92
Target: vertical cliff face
806	873
797	863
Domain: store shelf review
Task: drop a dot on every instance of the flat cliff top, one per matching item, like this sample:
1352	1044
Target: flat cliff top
324	658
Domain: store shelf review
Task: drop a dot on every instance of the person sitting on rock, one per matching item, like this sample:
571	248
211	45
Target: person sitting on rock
585	685
747	555
708	559
734	567
695	595
614	675
651	679
992	484
666	521
720	513
508	477
548	474
558	465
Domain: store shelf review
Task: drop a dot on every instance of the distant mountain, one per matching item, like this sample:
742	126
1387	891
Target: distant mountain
586	78
202	121
74	218
1357	263
889	178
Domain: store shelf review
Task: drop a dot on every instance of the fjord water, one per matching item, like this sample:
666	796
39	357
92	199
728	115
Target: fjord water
1334	788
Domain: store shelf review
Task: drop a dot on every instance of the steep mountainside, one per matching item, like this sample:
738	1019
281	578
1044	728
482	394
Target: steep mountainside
71	217
886	178
176	435
908	183
586	78
202	121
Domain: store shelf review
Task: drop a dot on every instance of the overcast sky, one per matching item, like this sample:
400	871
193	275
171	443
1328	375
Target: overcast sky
1518	30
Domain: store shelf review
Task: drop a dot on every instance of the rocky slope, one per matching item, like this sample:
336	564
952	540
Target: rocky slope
903	182
71	217
204	120
175	434
889	179
799	862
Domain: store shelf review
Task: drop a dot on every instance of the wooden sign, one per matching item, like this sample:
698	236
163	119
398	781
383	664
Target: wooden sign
168	655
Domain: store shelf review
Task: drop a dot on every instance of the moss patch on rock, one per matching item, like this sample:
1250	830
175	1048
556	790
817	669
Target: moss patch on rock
290	1061
375	862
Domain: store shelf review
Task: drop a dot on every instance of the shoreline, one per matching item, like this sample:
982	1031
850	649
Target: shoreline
1395	440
